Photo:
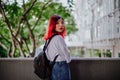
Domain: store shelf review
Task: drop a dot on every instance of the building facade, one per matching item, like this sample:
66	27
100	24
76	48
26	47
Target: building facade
99	24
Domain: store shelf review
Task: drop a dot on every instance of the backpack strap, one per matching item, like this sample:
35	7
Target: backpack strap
45	47
54	59
47	43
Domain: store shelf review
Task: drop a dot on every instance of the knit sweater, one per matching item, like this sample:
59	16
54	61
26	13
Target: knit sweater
57	46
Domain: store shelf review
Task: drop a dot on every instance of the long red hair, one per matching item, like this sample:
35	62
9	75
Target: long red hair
51	27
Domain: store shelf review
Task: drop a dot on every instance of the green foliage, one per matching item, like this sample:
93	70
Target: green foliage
13	12
4	32
40	10
108	53
119	55
17	54
97	53
3	52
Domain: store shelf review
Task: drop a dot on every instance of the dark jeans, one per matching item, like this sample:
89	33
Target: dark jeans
60	71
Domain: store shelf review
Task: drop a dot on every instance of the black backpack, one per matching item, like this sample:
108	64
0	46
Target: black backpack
42	66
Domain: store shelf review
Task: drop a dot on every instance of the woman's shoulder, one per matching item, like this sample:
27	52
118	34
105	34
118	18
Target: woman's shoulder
57	37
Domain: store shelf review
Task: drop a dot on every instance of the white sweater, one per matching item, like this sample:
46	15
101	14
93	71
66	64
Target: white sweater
58	47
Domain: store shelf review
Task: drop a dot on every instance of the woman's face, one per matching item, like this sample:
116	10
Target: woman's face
60	25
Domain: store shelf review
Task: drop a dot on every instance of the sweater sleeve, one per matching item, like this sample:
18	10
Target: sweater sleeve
63	50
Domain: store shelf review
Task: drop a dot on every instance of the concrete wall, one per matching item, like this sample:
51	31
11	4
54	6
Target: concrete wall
81	69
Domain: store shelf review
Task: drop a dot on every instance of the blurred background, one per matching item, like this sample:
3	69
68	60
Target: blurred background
93	27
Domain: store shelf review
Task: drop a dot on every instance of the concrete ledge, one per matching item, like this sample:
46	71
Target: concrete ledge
81	69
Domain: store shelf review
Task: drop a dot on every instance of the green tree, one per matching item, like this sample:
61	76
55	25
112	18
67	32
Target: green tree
22	26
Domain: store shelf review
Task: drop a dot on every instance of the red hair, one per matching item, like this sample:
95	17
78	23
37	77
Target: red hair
51	27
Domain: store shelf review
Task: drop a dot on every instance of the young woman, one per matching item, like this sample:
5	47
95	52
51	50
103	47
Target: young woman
57	46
